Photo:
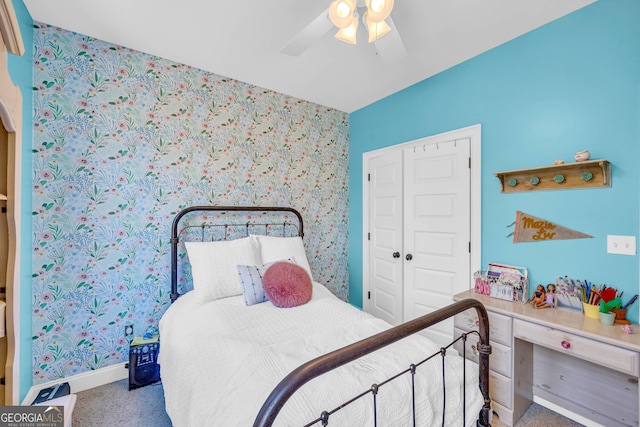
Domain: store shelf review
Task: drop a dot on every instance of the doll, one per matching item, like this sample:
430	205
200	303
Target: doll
549	299
538	296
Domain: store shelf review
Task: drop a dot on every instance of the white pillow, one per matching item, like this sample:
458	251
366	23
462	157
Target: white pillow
213	265
277	248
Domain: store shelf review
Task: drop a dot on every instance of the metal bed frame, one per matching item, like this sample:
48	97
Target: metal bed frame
176	231
330	361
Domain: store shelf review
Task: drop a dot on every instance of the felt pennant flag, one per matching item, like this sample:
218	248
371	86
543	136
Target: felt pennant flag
532	229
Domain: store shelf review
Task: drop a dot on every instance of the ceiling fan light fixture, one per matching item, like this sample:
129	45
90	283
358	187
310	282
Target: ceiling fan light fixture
341	13
375	29
348	34
378	10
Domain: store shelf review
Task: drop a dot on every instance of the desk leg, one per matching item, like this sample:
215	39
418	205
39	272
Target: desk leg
522	378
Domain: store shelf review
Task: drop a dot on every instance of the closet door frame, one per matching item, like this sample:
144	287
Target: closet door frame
474	134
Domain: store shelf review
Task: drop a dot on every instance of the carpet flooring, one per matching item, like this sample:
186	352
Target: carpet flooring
114	405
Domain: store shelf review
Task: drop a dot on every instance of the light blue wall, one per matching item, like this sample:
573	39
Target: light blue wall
571	85
21	71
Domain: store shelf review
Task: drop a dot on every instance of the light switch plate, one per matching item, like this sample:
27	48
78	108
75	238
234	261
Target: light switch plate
622	245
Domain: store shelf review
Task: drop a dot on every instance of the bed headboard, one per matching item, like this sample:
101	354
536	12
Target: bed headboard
211	223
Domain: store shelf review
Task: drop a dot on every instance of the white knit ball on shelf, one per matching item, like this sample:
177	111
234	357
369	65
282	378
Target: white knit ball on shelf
582	156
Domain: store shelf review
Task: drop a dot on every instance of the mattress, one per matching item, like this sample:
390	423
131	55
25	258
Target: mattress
220	360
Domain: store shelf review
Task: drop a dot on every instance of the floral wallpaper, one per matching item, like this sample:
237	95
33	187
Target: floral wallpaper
122	142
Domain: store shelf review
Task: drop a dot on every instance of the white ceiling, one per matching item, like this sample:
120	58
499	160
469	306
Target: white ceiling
242	39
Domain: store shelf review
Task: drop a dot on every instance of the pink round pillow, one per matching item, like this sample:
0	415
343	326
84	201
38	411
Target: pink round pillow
287	285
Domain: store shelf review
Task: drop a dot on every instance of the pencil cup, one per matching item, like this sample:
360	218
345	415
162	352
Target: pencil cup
591	310
621	316
607	318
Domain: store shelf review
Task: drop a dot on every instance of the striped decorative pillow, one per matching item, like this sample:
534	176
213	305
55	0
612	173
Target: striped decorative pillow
251	282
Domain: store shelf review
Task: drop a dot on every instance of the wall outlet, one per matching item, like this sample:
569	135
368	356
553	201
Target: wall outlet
622	245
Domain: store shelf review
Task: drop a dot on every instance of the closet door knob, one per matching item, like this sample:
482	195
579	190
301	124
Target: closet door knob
396	254
409	257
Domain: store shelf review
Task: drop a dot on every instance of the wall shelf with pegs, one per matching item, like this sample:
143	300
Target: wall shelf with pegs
588	174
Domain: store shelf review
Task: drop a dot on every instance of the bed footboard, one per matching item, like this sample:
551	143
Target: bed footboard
328	362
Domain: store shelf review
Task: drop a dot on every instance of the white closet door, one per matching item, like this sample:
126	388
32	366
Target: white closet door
385	240
436	230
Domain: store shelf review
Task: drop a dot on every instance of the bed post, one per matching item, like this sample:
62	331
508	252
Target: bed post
174	247
174	257
484	349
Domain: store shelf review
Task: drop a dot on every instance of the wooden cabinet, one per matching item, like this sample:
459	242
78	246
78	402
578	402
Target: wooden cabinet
4	251
10	167
558	358
501	359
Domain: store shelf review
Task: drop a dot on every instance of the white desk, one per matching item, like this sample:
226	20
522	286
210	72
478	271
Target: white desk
560	356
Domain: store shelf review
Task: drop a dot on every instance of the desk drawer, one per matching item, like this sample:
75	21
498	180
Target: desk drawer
500	389
596	352
499	325
499	360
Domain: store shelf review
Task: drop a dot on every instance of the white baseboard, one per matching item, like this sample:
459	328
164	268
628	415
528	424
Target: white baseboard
564	412
83	381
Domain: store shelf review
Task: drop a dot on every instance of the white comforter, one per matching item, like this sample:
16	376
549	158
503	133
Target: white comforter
219	361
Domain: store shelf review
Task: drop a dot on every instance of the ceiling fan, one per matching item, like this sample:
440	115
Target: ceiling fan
344	16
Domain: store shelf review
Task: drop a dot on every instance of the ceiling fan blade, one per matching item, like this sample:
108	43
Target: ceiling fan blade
390	47
309	35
